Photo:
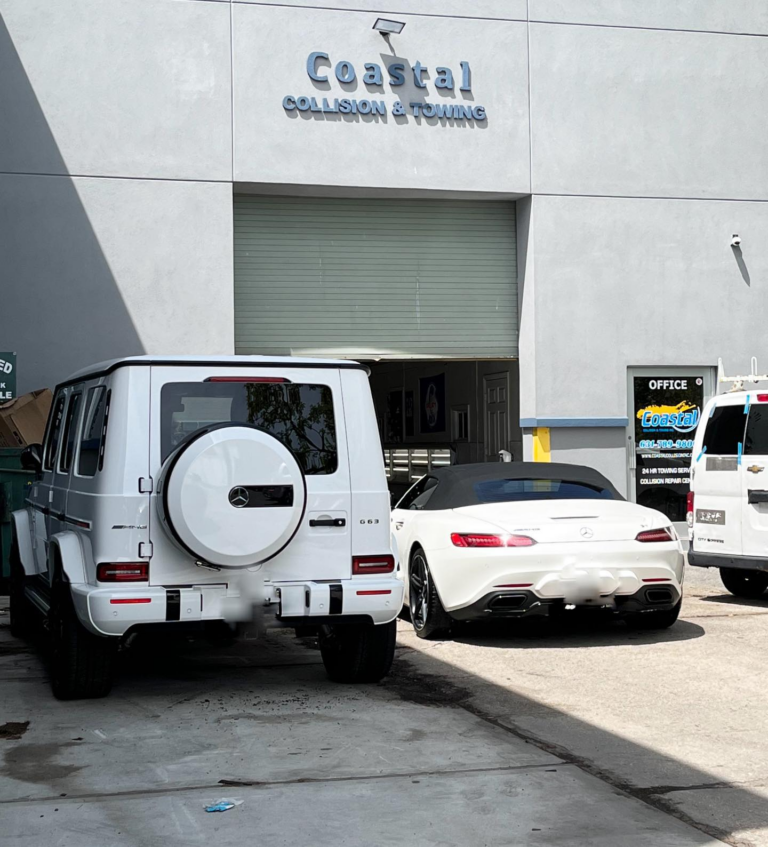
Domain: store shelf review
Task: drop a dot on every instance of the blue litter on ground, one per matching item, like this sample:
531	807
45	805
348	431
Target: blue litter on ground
223	805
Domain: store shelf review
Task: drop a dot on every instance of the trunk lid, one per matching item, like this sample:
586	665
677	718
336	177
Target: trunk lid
566	521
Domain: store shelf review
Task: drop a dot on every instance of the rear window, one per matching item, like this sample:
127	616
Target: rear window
725	430
511	490
300	415
756	438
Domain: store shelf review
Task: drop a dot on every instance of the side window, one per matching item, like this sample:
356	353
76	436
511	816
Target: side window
419	494
54	432
94	432
725	431
70	432
756	439
429	489
412	493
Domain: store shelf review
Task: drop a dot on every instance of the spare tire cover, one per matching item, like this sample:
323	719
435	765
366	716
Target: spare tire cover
232	495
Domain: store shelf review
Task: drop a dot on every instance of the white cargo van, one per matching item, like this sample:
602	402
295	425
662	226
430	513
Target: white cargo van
728	500
175	492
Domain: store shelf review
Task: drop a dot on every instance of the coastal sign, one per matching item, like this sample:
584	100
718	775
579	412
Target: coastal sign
320	67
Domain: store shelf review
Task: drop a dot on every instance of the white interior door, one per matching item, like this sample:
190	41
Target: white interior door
496	402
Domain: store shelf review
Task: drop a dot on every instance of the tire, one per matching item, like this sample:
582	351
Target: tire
428	617
358	653
655	618
82	664
749	584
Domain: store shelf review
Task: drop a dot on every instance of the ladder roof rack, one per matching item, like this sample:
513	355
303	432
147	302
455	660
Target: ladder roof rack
739	381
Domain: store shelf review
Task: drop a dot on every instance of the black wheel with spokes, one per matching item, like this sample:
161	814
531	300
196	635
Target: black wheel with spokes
429	618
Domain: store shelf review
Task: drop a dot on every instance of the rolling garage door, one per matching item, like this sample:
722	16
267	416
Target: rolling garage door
371	278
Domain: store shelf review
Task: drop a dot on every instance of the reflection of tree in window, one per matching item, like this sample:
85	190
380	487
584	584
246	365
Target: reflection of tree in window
301	416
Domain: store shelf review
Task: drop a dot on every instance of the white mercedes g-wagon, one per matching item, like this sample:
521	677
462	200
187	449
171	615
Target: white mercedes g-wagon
176	491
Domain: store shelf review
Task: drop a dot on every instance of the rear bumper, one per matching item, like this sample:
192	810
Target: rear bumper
719	560
525	604
115	610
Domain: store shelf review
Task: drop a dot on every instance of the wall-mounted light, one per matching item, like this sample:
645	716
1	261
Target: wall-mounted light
736	240
387	27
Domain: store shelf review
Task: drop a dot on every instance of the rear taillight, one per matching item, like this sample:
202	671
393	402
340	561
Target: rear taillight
471	539
373	564
123	572
689	508
655	535
762	398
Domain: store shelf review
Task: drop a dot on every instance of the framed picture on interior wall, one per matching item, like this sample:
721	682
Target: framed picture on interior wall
460	423
409	420
394	432
432	404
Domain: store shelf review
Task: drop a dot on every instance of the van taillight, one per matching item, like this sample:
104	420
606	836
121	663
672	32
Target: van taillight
689	508
123	572
373	564
762	398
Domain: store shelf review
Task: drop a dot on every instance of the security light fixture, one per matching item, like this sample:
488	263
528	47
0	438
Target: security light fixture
736	240
387	27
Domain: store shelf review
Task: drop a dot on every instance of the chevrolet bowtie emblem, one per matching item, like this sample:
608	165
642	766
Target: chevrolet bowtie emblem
755	468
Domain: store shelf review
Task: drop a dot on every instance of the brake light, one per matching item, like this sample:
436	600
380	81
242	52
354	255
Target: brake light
762	398
122	601
123	572
268	379
655	535
373	564
471	539
689	508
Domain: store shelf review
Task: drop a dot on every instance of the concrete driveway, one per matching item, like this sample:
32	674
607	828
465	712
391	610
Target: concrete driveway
517	736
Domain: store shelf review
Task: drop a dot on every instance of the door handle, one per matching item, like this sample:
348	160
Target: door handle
327	522
399	524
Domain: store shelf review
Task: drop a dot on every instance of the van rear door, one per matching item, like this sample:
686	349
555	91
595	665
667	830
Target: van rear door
717	477
754	479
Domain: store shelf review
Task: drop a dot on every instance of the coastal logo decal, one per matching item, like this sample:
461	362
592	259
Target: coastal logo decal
395	75
682	418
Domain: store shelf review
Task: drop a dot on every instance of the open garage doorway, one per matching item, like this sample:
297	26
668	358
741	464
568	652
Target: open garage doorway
436	413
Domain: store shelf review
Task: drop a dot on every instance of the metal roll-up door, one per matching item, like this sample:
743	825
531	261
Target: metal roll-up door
371	278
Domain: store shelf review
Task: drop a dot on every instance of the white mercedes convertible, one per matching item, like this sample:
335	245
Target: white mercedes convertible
511	540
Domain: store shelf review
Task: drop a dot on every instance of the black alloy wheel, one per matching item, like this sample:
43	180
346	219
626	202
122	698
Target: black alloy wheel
428	616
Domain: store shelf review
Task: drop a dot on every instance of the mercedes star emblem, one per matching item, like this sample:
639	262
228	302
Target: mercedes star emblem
239	497
586	532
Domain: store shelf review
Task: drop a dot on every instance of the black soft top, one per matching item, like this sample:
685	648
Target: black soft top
456	484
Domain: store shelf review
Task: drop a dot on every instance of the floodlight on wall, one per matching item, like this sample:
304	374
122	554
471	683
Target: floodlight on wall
387	27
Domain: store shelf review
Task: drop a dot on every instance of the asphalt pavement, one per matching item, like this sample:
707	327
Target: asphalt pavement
583	733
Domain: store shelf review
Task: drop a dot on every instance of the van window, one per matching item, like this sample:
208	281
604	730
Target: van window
52	445
94	432
299	415
756	439
70	432
725	430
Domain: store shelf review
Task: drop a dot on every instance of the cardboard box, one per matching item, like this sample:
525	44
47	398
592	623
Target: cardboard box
22	421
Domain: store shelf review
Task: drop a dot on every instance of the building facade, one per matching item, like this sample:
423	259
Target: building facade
520	212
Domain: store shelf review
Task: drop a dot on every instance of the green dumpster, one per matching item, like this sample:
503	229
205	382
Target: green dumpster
14	484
